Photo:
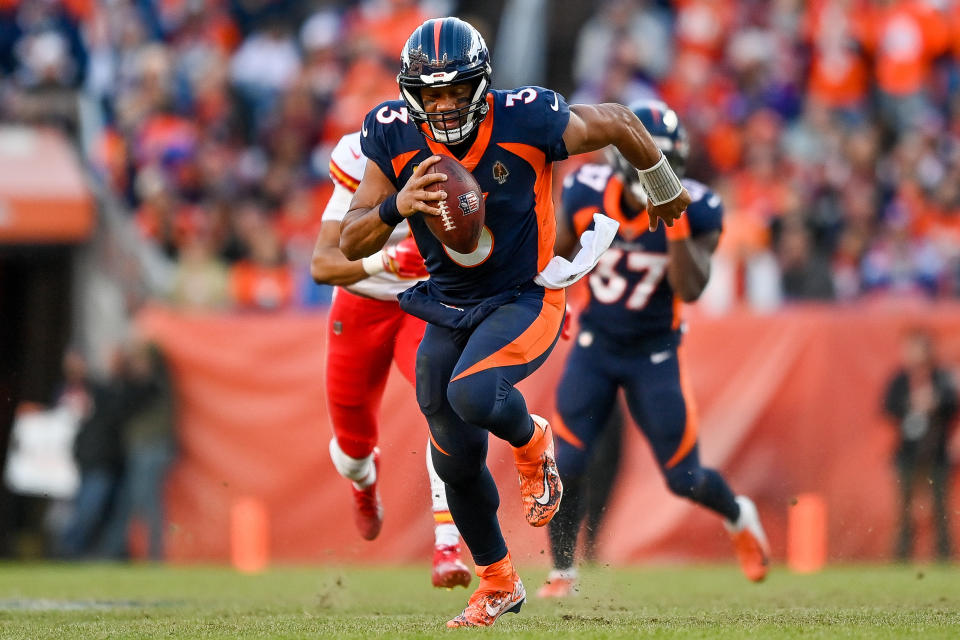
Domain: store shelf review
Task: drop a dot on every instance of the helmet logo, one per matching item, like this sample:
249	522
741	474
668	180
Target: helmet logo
500	173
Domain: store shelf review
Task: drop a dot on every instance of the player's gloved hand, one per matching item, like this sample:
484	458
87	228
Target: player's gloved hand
567	318
404	260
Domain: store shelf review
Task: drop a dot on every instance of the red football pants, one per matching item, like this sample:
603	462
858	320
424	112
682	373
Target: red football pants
363	337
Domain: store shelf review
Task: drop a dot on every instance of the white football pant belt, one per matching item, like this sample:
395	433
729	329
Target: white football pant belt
560	272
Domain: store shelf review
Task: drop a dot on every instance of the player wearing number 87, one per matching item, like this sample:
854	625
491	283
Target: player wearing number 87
493	316
629	338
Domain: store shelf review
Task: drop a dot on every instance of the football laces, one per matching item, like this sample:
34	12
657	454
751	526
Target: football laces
445	217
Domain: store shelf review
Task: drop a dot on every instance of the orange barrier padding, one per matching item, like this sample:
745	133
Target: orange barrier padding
788	403
807	534
249	535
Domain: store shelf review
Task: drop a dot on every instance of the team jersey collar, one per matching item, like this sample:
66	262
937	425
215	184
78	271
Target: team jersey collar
480	143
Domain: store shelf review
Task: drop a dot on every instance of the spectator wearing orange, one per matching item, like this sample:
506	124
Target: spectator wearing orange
905	36
703	26
839	76
263	281
384	25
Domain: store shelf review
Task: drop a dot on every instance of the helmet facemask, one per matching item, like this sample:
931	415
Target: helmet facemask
465	118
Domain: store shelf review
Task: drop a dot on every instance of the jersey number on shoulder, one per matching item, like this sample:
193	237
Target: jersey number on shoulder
525	95
609	287
386	115
595	176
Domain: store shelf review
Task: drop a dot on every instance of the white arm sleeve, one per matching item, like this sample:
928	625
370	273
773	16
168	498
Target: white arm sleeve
339	203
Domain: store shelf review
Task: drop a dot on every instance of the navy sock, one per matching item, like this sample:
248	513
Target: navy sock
704	486
565	526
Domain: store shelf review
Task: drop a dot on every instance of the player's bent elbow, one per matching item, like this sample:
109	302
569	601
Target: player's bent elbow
691	295
320	268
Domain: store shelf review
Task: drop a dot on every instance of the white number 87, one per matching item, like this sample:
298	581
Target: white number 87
609	287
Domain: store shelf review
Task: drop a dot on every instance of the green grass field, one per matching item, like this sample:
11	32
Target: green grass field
113	601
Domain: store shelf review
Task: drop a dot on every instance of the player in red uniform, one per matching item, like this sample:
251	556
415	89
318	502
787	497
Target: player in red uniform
494	314
366	332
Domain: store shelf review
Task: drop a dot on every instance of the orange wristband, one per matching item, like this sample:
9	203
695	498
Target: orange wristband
680	229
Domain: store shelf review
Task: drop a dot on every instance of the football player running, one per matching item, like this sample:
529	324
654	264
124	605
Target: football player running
629	338
366	331
493	315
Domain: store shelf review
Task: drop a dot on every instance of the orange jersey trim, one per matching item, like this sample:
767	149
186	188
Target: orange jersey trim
532	343
692	428
479	146
400	161
611	203
582	219
543	198
562	430
344	178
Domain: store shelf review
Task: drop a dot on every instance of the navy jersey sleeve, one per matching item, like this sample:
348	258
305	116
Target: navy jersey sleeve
584	189
540	116
374	136
705	210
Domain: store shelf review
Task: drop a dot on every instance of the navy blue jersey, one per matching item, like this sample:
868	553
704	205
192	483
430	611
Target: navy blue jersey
630	296
511	159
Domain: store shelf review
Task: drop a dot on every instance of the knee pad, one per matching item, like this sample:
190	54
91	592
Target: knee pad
429	388
472	400
457	469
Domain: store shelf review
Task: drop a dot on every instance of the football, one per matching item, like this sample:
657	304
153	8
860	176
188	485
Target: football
462	214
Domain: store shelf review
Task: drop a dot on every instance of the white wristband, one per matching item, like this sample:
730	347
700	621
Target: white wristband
660	182
373	264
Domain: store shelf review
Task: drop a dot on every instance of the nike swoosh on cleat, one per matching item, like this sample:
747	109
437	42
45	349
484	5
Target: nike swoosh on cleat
556	102
492	611
545	498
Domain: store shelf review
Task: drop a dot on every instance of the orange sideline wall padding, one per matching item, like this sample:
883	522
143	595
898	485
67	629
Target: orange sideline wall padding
789	403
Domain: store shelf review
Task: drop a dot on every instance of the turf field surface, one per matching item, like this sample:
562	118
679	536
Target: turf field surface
40	601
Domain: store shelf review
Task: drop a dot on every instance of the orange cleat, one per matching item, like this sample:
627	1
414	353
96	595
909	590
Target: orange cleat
750	541
368	510
561	583
540	486
500	592
448	570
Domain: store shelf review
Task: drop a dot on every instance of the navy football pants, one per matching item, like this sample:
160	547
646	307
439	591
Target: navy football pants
465	388
653	385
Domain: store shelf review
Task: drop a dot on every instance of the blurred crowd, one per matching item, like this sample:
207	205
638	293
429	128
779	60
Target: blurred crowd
831	128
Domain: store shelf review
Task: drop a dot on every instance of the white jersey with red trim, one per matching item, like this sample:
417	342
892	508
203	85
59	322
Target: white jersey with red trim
347	164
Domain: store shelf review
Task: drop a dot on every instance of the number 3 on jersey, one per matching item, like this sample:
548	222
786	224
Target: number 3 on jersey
609	287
